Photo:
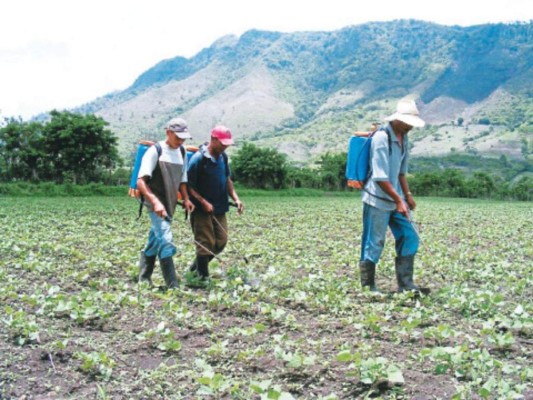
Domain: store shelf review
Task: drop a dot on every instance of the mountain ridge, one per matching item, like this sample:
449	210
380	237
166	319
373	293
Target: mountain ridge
309	90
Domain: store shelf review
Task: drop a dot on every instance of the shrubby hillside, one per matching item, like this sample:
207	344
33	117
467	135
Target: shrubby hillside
304	93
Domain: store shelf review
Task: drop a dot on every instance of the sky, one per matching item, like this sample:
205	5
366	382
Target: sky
59	54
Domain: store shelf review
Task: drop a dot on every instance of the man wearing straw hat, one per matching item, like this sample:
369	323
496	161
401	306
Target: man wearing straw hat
387	200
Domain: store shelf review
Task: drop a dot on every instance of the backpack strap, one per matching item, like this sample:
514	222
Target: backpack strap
225	157
141	197
389	140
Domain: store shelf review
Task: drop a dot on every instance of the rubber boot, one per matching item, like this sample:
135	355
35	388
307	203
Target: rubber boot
194	265
146	268
368	275
169	272
404	273
202	266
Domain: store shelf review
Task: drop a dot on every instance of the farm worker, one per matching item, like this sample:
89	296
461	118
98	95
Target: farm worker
209	186
160	179
387	200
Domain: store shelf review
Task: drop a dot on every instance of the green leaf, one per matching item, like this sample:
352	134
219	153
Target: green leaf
441	369
344	356
395	375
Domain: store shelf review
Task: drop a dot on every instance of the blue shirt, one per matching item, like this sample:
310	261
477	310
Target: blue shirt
209	177
385	167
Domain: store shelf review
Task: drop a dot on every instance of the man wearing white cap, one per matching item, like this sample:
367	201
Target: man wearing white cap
163	174
387	200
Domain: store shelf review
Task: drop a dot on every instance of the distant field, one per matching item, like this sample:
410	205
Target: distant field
488	140
75	325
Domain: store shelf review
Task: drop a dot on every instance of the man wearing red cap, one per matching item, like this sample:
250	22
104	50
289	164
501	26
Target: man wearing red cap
209	185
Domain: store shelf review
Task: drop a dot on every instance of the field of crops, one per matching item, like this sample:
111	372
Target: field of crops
291	323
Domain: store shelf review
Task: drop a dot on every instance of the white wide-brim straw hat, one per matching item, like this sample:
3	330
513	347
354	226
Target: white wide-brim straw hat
406	111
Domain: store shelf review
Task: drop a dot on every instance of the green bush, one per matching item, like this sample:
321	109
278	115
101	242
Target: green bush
49	189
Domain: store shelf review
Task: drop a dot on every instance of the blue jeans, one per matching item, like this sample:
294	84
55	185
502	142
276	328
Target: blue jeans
375	222
160	238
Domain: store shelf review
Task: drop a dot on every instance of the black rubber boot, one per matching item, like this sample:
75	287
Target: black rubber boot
146	268
169	273
202	266
404	273
194	265
368	275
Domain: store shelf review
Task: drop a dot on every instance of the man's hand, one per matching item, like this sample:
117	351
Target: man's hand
207	206
410	201
240	206
401	207
159	209
188	206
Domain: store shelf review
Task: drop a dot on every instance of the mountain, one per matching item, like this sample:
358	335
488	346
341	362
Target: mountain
305	92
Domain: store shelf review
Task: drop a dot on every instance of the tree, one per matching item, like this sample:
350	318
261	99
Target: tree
22	156
80	146
452	183
259	168
523	189
483	185
303	178
333	170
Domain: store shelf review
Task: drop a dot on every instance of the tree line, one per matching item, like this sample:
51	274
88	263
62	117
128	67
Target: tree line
268	169
79	149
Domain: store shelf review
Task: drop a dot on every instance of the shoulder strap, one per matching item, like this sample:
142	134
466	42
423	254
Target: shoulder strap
382	128
141	198
158	148
385	128
182	149
225	157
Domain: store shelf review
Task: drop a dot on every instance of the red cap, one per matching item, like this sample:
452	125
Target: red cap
223	134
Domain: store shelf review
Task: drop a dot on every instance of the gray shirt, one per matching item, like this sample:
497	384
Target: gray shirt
166	173
385	167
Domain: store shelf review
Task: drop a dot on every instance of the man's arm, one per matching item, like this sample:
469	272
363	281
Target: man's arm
143	187
207	206
233	194
192	177
407	192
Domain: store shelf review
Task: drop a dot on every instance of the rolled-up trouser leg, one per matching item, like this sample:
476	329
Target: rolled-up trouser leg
160	238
